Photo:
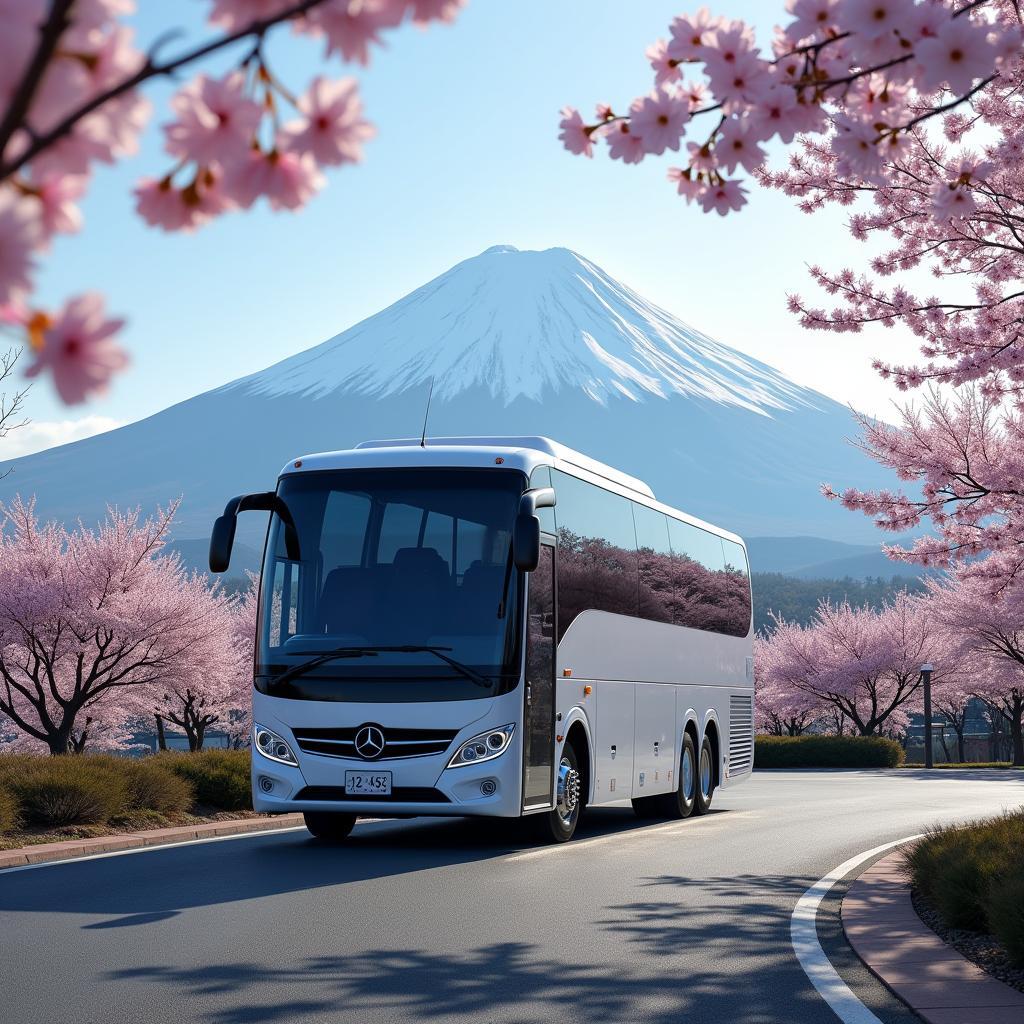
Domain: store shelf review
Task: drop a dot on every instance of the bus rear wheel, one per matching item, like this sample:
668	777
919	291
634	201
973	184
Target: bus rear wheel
329	827
705	778
683	801
559	825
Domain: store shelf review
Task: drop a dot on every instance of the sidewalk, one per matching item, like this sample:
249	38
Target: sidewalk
931	977
73	848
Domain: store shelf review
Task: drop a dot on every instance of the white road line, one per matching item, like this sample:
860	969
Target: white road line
803	931
669	828
149	849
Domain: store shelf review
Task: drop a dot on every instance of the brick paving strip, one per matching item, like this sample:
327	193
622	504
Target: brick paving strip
72	848
931	977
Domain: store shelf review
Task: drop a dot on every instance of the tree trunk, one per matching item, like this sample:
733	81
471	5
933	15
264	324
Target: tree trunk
161	736
200	735
961	746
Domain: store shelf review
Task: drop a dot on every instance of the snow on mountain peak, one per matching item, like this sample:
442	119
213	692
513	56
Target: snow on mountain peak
528	324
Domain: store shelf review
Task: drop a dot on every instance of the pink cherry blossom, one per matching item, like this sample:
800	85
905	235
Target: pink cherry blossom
575	135
691	34
623	144
702	156
288	180
810	19
959	54
20	234
951	201
236	14
666	68
777	112
79	350
162	205
856	147
57	196
425	11
687	185
737	147
334	129
723	197
872	18
352	26
659	119
216	119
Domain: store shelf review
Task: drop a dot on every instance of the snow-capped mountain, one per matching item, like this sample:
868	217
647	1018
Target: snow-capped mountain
515	343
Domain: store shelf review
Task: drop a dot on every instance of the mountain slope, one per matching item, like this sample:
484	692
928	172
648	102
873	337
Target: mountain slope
516	343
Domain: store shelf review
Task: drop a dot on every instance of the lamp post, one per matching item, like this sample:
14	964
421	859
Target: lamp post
926	678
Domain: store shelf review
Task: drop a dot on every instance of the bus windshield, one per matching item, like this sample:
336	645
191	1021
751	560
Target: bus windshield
397	592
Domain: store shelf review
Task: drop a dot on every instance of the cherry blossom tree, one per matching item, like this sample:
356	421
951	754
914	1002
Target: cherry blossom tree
861	664
11	405
781	710
87	618
993	632
71	97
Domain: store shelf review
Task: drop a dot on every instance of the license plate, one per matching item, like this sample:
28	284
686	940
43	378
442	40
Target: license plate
368	783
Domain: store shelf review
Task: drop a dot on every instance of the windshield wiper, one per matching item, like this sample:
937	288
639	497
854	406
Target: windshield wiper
373	650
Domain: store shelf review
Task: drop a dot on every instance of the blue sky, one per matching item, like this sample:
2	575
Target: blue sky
466	157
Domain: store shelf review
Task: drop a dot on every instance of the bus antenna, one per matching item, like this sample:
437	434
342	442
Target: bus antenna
426	413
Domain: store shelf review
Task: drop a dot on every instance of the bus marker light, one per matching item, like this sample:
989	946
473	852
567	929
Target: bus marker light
559	738
567	672
499	461
587	691
298	463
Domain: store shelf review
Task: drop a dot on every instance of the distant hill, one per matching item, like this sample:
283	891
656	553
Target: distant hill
816	558
195	555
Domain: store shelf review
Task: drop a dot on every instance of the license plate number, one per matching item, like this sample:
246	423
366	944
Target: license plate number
368	783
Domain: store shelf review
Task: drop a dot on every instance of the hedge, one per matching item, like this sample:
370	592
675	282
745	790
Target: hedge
100	789
826	752
220	777
974	877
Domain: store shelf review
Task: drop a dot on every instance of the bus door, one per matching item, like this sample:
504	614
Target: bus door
539	710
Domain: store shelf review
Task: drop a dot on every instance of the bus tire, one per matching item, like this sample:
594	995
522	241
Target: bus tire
705	778
559	825
329	826
682	802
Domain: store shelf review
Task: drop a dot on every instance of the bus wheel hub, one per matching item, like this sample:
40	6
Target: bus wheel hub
568	788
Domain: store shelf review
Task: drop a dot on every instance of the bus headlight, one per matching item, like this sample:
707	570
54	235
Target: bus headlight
272	746
485	746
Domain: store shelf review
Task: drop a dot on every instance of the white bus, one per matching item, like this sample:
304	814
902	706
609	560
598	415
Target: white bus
492	626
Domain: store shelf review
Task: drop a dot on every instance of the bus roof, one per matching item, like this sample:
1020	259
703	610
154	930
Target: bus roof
543	445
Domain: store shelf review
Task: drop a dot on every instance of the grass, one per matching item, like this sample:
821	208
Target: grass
826	752
974	877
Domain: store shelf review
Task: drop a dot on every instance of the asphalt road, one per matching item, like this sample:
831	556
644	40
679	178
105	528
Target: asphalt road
441	921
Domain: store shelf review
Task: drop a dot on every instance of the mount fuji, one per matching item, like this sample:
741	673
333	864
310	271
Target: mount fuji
515	342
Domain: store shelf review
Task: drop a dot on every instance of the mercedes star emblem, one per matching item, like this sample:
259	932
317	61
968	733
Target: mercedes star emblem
369	742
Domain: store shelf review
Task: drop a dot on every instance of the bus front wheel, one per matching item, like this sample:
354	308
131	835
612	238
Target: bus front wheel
329	827
559	825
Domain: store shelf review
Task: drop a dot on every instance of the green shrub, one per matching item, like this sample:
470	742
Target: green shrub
1004	907
826	752
220	778
69	790
9	815
974	876
153	785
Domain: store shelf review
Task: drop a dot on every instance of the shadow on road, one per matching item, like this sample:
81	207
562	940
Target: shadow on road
708	926
158	884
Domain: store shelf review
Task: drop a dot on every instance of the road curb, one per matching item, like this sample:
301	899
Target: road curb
930	976
72	849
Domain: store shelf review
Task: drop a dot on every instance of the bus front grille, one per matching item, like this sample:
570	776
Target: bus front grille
741	734
400	794
397	742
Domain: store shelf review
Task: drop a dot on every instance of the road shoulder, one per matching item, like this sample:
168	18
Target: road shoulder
931	977
72	849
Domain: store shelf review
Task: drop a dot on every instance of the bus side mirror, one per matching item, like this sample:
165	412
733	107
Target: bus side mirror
223	537
526	542
221	541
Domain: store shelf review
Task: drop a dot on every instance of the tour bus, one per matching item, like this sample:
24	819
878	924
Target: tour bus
493	626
